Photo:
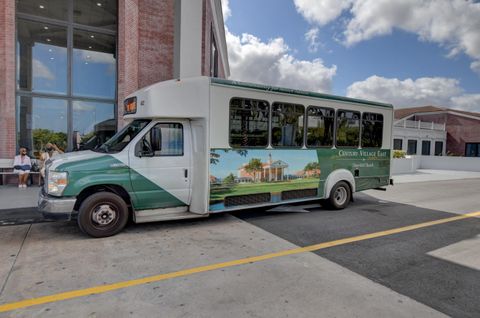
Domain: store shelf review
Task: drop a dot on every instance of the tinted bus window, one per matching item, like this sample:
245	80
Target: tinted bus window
248	123
348	128
320	123
372	130
287	125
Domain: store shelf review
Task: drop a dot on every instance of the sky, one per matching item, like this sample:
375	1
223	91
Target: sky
405	52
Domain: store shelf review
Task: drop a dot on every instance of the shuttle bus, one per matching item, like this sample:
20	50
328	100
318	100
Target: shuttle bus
197	146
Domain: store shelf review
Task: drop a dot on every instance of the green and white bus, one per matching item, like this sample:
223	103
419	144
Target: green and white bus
203	145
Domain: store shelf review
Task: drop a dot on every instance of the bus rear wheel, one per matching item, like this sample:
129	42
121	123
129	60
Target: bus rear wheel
340	196
102	214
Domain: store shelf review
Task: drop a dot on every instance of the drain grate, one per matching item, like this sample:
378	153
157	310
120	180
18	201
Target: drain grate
247	199
299	194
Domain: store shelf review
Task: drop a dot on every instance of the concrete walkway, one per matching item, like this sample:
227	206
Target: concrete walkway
426	175
12	197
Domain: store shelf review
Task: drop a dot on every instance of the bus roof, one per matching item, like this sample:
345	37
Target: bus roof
295	92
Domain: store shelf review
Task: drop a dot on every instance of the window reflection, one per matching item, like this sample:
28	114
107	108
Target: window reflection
97	13
39	121
94	64
42	57
93	124
54	9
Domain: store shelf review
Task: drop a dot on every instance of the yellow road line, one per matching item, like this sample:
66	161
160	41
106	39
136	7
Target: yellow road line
156	278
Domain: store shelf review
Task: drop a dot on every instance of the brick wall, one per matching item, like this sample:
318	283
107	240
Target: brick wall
461	130
7	79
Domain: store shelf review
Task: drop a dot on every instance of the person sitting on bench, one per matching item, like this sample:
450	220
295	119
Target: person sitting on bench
22	165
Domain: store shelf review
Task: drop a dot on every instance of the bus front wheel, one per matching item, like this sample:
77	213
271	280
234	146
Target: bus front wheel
102	214
340	196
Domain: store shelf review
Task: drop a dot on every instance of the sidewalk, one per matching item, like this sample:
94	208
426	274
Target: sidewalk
428	175
19	205
12	197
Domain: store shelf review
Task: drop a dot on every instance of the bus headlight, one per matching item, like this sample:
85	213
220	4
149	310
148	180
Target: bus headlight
57	181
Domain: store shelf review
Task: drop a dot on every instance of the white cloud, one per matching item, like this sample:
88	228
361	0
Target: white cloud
312	38
97	57
271	63
437	91
40	70
226	9
453	24
475	66
468	102
321	12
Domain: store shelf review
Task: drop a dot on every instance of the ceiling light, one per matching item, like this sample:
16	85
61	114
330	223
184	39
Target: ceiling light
41	6
99	4
45	28
90	47
48	40
92	36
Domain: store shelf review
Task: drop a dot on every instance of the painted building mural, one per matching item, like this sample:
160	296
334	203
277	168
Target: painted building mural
281	175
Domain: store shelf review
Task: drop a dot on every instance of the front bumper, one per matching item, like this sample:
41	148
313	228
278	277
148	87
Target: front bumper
55	208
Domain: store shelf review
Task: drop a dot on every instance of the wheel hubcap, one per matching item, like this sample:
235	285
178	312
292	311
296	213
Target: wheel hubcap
104	214
340	195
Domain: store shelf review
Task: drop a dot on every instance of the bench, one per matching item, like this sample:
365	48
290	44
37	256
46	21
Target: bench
6	168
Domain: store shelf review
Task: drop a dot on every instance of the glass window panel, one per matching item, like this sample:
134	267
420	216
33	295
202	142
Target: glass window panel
348	128
372	130
96	13
426	148
438	148
94	65
93	124
53	9
41	57
320	126
287	125
248	123
397	144
412	147
39	121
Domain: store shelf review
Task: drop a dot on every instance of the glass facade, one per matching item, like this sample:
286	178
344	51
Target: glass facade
66	74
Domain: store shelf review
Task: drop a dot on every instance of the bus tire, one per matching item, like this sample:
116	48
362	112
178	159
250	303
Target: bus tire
102	214
340	196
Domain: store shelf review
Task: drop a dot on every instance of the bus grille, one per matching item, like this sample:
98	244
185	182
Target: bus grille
247	199
299	194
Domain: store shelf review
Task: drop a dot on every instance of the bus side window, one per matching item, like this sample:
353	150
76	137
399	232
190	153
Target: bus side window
164	139
372	130
320	125
287	125
248	123
348	128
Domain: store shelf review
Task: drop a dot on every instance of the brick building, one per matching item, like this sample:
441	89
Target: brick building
65	65
431	125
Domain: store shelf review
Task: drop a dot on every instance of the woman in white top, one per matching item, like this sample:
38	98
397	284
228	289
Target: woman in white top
22	165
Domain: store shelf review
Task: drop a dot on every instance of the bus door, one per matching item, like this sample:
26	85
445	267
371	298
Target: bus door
160	165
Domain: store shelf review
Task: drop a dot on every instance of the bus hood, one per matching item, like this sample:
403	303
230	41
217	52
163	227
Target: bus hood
65	162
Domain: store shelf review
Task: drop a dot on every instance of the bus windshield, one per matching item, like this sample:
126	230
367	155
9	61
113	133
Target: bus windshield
123	137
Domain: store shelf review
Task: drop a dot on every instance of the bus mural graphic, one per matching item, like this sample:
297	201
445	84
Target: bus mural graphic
261	171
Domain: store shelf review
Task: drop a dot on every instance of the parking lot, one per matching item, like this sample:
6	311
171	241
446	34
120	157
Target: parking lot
408	252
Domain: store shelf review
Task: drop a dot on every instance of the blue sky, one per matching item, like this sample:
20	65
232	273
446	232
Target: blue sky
405	52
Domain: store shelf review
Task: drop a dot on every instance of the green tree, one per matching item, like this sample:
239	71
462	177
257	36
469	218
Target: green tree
230	179
42	136
313	166
254	166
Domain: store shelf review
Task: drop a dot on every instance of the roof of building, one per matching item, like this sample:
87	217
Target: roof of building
406	112
275	89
